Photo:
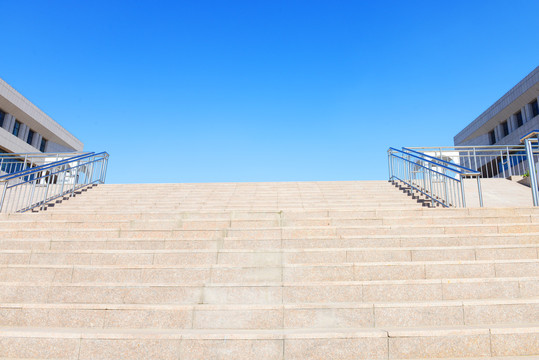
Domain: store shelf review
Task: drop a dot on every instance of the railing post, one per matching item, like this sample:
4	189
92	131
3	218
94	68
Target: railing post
4	190
75	182
46	192
106	166
32	193
445	187
501	162
91	172
508	161
410	175
462	191
389	167
430	189
63	179
479	191
532	170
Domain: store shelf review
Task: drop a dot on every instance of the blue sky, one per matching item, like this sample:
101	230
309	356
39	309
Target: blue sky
211	91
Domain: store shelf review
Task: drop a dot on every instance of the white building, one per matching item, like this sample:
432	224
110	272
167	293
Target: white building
24	128
510	118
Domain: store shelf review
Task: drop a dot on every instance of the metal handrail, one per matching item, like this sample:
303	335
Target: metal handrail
51	166
43	167
11	163
417	188
465	147
40	154
442	160
436	162
491	161
29	171
429	176
532	136
51	181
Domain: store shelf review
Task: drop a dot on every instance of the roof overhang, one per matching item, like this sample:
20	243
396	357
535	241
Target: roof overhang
14	103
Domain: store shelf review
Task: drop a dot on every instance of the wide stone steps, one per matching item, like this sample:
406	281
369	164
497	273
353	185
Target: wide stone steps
239	224
356	343
282	316
306	214
271	233
346	270
269	258
185	274
270	292
371	241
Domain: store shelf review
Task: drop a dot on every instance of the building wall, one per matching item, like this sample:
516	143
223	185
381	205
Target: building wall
19	109
520	99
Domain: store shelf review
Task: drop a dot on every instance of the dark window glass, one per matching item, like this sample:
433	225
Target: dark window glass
492	137
16	128
535	108
43	144
519	119
505	128
2	116
30	137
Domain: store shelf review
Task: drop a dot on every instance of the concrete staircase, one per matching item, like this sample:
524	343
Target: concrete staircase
313	270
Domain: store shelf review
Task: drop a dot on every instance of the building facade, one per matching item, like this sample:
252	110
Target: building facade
24	128
510	118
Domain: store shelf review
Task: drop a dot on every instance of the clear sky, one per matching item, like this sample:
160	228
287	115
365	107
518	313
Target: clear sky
211	91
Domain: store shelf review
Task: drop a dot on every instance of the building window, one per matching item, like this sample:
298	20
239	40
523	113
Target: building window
43	144
30	137
519	118
535	108
492	137
2	116
16	128
505	128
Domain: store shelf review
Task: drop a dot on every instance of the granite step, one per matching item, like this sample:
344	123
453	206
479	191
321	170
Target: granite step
355	343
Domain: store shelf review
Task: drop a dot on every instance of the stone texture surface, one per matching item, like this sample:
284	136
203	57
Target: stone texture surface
313	270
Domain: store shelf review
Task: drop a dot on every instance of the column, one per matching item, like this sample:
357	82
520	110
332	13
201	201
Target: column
512	122
36	141
9	122
498	133
23	132
528	111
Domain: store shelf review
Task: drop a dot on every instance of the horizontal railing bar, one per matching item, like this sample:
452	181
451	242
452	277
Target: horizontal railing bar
444	161
38	187
58	172
467	147
29	171
435	163
36	154
423	166
47	166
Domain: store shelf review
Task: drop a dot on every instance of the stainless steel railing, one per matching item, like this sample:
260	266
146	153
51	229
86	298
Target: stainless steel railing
437	179
491	161
529	139
37	186
12	163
